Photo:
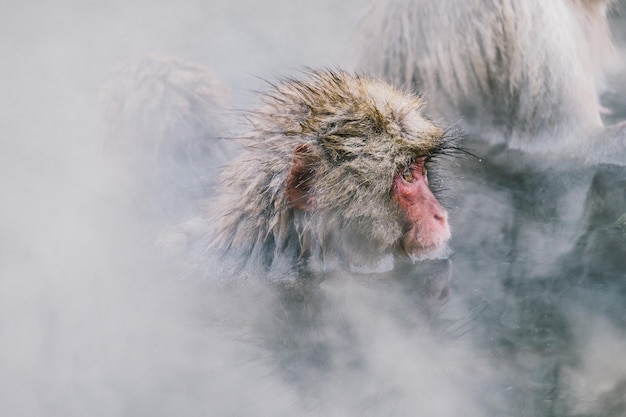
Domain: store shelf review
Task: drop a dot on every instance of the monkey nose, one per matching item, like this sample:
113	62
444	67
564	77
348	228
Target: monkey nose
441	217
440	214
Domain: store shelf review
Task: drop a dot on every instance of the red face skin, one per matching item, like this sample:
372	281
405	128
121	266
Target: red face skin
427	228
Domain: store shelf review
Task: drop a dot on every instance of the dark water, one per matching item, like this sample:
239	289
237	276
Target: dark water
528	318
545	252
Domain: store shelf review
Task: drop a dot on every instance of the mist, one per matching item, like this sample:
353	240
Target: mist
95	319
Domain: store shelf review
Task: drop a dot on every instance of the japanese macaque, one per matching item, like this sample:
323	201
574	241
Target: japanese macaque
164	107
163	118
522	72
334	175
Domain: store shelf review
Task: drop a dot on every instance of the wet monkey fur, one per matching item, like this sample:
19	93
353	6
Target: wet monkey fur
523	72
162	121
164	107
331	172
334	174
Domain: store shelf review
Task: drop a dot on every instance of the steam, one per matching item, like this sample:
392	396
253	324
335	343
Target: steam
97	320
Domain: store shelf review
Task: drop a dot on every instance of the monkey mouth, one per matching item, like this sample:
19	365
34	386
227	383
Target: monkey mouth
436	253
421	246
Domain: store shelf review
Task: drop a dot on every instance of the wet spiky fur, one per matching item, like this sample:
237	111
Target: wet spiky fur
360	132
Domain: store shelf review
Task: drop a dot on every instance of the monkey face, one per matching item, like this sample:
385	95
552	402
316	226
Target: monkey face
404	220
336	173
426	221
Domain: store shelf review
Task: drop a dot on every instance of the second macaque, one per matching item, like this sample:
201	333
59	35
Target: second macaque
163	120
523	72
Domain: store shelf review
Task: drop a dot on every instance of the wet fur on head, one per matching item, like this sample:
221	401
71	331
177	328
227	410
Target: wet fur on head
354	134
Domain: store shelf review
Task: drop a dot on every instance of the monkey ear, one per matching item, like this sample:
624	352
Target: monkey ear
299	181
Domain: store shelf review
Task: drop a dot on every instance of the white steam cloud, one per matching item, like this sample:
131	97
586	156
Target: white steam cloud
94	321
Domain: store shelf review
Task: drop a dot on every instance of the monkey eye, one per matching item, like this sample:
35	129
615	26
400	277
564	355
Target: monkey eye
407	174
413	168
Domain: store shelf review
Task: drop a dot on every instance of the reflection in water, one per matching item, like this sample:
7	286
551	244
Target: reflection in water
365	345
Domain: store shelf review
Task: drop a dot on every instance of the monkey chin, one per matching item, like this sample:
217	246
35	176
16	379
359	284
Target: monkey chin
391	260
416	250
385	263
429	254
